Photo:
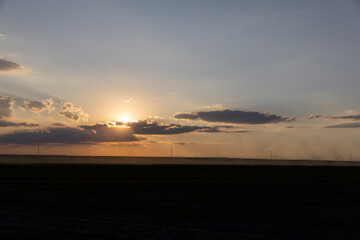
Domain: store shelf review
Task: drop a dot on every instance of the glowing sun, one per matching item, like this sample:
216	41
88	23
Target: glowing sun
124	119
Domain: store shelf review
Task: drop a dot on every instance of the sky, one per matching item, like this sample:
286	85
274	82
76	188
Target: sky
205	78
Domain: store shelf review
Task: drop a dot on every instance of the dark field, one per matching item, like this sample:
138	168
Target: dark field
179	202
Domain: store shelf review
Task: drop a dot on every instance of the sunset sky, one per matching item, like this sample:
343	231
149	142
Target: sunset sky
206	78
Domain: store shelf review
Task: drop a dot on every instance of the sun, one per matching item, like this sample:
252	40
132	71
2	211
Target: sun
124	119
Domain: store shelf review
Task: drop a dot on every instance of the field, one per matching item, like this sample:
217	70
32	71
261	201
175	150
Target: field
94	201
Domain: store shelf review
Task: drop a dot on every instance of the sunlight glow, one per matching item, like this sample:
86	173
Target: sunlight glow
124	119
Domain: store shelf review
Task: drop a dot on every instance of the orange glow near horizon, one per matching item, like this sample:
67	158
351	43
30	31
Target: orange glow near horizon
124	118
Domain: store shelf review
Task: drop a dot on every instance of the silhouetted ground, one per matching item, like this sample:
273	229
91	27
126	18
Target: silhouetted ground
179	202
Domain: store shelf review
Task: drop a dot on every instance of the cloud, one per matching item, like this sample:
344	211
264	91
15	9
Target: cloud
183	143
129	100
4	123
93	134
351	117
313	116
297	127
6	107
2	36
73	112
37	106
100	132
345	125
234	116
58	124
155	128
8	66
7	111
215	107
223	129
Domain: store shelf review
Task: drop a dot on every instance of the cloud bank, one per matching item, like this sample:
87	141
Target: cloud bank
4	123
234	116
67	135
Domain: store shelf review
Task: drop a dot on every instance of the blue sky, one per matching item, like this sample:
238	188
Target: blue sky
159	58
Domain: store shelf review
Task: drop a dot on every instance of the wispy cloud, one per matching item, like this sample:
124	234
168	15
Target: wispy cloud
215	107
345	125
234	116
349	116
129	100
58	124
155	128
313	116
8	66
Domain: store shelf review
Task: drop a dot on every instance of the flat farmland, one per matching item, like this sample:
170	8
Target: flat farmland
83	201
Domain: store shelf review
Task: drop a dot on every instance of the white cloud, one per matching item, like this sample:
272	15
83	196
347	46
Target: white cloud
37	106
73	112
6	107
129	100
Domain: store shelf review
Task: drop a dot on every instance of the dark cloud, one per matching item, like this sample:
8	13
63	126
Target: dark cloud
189	116
101	132
298	127
7	66
37	106
58	124
211	130
155	128
85	134
4	123
351	117
345	125
234	116
73	112
183	143
223	129
6	107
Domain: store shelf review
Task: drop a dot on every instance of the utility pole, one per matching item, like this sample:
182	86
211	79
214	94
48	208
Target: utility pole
271	154
171	153
350	156
38	150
